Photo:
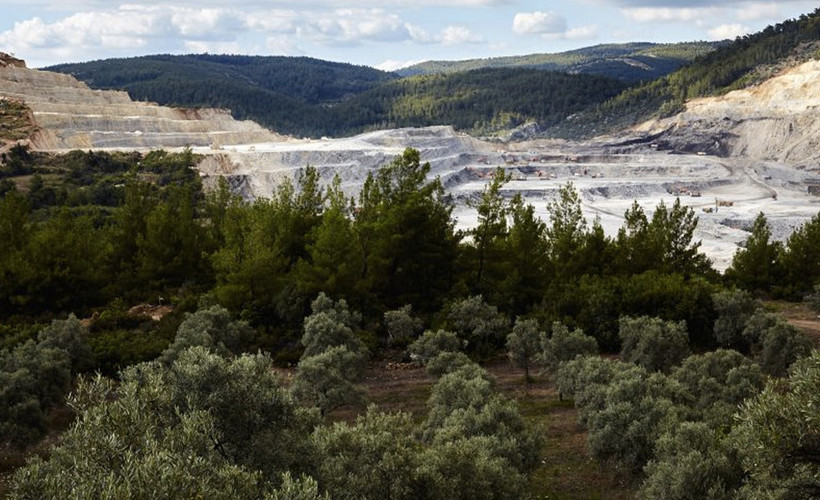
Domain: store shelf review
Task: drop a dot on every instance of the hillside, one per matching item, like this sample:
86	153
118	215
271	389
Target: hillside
629	61
309	97
482	102
287	94
746	61
774	121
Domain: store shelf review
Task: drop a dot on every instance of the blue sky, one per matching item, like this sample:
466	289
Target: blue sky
380	33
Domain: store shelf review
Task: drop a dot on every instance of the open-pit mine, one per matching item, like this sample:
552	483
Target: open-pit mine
728	158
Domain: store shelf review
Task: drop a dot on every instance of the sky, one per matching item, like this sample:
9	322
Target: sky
387	34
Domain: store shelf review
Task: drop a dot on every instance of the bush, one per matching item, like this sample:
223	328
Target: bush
480	324
565	346
523	344
375	457
782	344
653	343
431	344
719	382
401	326
734	308
693	461
778	435
212	328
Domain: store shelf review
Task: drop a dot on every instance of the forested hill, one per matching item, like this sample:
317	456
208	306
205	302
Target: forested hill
482	101
628	61
308	97
746	61
286	94
313	81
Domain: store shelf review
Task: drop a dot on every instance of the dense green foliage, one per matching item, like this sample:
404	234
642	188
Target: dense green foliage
338	274
778	433
628	61
480	101
304	96
652	343
288	94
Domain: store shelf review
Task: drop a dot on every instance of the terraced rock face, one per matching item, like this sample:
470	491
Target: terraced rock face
778	120
72	116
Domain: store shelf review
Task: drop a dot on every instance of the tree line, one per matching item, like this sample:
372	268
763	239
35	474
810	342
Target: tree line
102	230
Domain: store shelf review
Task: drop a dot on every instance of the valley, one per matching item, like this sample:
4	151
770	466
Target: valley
728	158
608	175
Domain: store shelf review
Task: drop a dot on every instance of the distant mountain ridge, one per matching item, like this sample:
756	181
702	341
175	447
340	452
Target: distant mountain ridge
638	61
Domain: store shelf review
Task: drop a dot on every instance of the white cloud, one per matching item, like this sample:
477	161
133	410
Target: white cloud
60	5
583	33
457	35
274	21
207	23
528	23
353	26
86	29
755	11
666	14
282	45
550	26
729	31
197	46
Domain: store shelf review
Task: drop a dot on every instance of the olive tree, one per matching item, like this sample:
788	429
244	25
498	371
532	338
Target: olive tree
565	345
373	458
468	469
33	378
465	403
327	380
813	299
734	308
432	343
71	336
137	439
624	407
212	328
402	327
775	343
781	345
653	343
329	325
334	358
479	323
778	435
693	461
719	381
523	344
257	422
